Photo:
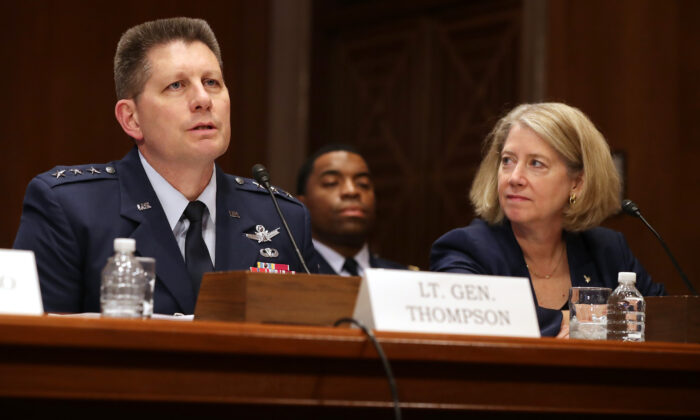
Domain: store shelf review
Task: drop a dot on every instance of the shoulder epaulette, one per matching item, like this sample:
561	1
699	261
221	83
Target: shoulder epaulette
60	175
253	185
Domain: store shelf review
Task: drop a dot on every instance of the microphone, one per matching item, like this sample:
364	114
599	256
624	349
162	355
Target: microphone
629	207
261	175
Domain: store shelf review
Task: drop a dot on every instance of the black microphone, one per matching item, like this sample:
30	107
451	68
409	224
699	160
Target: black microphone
632	209
263	177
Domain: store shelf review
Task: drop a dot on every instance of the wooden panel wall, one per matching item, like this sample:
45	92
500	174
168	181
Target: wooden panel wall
633	66
415	86
59	90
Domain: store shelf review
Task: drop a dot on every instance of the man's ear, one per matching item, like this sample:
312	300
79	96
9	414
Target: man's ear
126	114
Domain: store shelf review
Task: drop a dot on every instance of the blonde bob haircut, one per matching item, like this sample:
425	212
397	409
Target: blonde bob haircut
583	149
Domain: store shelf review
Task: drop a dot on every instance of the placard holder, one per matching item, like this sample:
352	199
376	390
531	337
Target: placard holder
20	293
305	299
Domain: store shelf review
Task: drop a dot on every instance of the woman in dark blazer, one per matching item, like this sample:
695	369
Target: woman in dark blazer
547	180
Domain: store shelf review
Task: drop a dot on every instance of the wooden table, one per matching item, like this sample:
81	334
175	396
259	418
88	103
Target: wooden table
53	364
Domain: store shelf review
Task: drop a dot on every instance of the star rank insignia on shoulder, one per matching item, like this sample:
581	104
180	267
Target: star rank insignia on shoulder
68	174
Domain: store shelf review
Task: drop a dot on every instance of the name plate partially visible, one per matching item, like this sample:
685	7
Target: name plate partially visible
429	302
19	283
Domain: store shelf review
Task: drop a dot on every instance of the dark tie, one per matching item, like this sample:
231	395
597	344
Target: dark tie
196	252
350	266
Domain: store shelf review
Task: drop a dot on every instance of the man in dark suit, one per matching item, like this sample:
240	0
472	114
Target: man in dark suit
336	186
166	193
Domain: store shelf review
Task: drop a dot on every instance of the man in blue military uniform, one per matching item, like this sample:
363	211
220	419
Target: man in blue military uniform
166	193
336	185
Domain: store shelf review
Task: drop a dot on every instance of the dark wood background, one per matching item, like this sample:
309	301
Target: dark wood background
415	84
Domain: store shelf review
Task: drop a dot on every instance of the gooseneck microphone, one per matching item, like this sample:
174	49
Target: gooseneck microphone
632	209
261	175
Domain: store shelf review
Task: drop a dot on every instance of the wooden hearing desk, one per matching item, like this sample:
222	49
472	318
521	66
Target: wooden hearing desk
65	366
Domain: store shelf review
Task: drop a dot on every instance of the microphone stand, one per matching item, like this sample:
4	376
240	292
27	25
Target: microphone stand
631	208
263	177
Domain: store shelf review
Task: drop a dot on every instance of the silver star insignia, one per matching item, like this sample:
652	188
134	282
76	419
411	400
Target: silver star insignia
76	171
262	235
94	171
59	173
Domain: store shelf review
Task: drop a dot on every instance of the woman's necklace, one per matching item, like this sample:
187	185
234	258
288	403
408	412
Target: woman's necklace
547	276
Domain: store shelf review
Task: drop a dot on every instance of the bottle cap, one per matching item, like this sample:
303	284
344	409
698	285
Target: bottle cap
124	245
626	277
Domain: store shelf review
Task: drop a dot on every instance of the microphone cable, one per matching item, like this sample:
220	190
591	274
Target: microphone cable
382	357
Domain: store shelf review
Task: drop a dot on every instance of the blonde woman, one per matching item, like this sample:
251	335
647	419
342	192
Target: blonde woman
545	184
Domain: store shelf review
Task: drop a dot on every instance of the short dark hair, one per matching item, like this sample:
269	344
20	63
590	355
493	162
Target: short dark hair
131	67
308	166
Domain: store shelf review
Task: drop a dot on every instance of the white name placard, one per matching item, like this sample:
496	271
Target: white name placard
19	283
423	301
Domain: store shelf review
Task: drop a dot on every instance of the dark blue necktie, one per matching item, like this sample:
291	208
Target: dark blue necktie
350	266
196	253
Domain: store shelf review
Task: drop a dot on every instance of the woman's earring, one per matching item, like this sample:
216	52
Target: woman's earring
572	198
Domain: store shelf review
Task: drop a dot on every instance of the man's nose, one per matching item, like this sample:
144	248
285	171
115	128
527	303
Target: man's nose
348	188
200	98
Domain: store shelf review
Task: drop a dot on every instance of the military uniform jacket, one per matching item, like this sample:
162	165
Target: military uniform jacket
595	257
71	216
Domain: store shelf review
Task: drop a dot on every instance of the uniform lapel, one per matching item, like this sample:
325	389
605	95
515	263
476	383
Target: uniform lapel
234	251
153	235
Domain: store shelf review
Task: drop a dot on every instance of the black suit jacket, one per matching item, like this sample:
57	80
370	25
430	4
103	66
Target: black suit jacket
374	261
595	257
70	220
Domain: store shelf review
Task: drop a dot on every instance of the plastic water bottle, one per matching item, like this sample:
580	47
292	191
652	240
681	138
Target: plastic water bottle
626	309
122	289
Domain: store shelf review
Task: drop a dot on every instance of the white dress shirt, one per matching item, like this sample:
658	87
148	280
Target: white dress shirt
174	204
336	261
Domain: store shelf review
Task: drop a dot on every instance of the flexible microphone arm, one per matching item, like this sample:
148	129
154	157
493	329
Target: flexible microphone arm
629	207
263	177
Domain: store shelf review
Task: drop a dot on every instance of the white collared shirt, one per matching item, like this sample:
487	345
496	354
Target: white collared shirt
336	261
174	204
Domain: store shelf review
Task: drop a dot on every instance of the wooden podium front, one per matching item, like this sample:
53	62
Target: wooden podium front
297	299
64	367
251	366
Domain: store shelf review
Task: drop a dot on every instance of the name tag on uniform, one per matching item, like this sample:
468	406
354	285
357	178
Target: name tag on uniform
428	302
19	283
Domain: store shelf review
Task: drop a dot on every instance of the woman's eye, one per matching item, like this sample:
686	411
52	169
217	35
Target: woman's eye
505	160
537	164
175	85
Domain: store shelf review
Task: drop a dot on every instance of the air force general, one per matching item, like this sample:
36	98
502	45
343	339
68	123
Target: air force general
166	193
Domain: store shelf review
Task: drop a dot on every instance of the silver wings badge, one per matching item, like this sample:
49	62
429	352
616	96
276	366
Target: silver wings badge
262	235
